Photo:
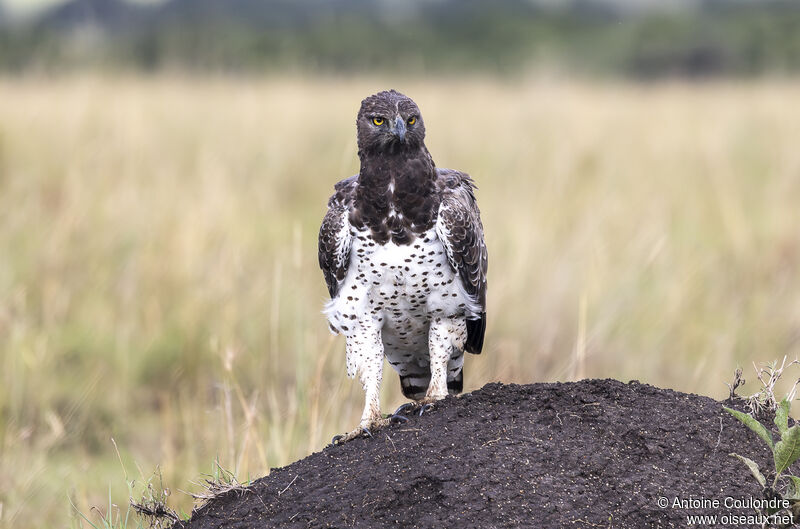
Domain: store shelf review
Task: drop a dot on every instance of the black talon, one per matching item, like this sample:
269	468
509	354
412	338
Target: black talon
403	407
425	408
394	419
339	437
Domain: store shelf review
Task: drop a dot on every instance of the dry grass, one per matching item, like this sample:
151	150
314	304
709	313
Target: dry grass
158	276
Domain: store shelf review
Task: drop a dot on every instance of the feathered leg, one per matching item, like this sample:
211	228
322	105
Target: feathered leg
364	357
370	373
446	339
442	337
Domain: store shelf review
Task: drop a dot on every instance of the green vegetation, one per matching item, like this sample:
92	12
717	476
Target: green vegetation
150	511
159	280
506	37
786	450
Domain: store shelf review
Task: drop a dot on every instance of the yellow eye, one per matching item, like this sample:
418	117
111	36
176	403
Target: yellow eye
377	121
412	120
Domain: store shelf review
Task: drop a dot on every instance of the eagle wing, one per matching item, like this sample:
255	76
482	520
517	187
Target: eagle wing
334	235
460	230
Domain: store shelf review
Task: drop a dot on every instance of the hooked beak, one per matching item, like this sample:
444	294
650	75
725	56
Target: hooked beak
399	129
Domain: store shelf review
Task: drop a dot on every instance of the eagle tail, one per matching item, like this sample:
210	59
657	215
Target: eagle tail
456	384
415	386
475	331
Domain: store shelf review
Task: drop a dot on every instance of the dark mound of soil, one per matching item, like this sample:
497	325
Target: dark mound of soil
596	453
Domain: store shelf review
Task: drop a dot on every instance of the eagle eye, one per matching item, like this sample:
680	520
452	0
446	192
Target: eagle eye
411	120
378	121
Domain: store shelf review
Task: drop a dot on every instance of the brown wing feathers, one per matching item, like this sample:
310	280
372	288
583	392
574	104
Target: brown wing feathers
466	250
334	236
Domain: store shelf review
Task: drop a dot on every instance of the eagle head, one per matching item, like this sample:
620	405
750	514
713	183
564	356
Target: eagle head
389	122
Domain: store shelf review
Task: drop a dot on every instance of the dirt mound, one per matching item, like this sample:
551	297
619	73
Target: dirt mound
596	453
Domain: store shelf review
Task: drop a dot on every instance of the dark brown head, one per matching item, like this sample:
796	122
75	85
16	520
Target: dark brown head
389	122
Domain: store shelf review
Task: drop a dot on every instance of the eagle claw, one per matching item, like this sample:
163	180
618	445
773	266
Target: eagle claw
408	407
343	438
404	407
396	418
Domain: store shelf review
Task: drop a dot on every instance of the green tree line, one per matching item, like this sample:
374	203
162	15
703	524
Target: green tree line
506	37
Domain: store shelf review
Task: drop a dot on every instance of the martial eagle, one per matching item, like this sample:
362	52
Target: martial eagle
401	247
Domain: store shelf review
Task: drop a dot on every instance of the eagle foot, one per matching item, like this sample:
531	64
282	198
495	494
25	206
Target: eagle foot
408	408
396	417
361	431
343	438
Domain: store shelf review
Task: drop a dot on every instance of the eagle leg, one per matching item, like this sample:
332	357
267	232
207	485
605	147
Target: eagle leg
370	374
364	353
440	346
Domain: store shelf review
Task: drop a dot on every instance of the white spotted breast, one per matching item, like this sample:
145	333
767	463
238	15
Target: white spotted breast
401	287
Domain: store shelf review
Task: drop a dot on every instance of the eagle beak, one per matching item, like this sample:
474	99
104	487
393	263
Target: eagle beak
399	129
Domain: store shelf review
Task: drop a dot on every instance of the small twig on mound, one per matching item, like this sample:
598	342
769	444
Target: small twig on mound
289	485
737	382
719	437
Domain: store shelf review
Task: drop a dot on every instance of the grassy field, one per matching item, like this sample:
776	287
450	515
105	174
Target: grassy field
159	281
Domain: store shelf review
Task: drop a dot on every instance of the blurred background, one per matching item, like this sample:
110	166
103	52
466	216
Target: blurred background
164	166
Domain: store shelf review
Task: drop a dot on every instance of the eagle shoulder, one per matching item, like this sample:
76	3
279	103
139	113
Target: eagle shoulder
460	229
334	235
